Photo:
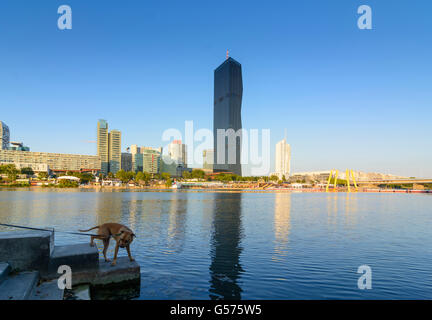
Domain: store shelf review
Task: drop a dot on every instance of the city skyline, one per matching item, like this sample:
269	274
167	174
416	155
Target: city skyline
335	87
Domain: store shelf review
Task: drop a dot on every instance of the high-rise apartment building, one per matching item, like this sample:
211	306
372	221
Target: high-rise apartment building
282	159
228	93
108	147
114	141
4	136
103	145
151	160
126	161
177	152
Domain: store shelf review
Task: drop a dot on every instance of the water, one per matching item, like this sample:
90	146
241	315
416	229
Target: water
210	245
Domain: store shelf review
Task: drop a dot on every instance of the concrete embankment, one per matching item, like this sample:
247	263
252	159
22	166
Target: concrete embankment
29	262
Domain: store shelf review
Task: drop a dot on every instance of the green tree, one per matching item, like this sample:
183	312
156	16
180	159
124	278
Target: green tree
42	175
198	174
274	178
186	174
10	170
85	177
168	183
28	171
110	175
122	176
67	184
165	176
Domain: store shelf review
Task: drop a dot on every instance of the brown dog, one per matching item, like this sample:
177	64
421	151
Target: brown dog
121	234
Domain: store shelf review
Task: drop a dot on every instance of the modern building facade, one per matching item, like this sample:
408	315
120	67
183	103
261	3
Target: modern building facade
177	152
151	160
228	94
36	167
18	146
57	162
108	147
126	161
146	159
283	159
4	136
114	142
103	145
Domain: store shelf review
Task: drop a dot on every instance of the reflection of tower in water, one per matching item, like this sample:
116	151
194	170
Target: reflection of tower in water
177	222
282	223
225	249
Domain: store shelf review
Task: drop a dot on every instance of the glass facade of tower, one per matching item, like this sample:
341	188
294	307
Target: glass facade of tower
228	93
4	136
114	138
108	148
102	145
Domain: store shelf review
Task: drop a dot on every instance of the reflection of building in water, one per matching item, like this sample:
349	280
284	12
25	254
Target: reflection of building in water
225	249
351	208
177	222
332	209
282	223
109	207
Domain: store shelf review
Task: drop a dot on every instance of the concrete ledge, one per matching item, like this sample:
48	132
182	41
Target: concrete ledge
4	270
106	274
125	270
26	250
80	257
122	281
19	286
47	291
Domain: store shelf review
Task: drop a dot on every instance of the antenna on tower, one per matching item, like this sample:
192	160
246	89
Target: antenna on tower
227	54
285	134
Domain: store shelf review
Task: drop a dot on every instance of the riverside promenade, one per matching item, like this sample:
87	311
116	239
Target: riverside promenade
29	263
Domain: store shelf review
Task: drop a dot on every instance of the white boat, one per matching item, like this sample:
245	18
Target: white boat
176	185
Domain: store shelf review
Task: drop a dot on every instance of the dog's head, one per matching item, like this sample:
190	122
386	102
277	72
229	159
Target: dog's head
125	237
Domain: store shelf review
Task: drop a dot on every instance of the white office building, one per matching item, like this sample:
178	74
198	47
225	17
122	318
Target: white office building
282	159
177	152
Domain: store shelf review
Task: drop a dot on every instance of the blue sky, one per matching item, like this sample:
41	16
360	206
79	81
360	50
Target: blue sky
349	98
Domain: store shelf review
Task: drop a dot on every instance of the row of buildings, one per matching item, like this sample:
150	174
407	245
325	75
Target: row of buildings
22	157
228	93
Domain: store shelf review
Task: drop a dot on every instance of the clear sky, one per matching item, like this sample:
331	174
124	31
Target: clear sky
349	98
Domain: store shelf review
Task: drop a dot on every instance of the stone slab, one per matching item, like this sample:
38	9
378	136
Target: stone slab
80	257
107	274
4	270
47	291
26	250
18	286
124	270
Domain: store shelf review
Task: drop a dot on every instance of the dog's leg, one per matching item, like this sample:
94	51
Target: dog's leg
115	255
129	253
106	245
91	241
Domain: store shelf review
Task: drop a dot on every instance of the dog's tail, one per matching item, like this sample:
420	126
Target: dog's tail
88	229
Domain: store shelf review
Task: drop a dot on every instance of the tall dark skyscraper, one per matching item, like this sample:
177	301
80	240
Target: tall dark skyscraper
228	93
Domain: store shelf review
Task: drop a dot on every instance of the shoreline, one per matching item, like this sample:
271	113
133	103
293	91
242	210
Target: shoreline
242	190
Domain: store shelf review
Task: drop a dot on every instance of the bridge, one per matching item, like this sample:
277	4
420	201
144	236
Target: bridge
395	181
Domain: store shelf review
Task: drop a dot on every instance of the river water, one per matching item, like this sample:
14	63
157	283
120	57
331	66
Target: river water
214	245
